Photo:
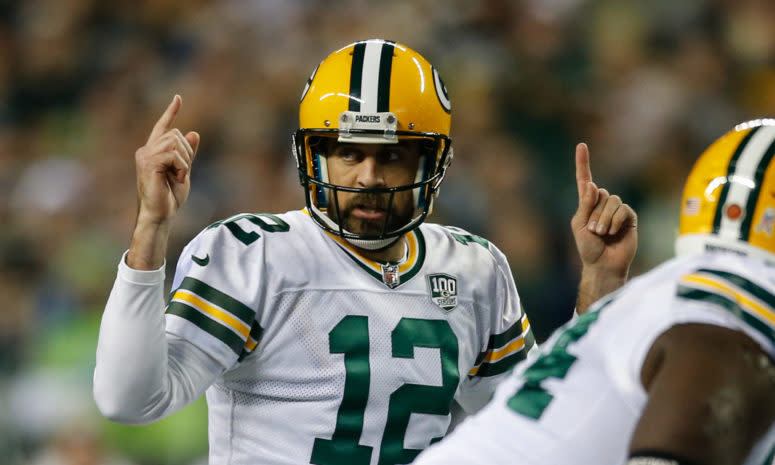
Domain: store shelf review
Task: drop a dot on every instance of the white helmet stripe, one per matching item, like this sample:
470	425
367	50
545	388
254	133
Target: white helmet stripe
370	76
741	181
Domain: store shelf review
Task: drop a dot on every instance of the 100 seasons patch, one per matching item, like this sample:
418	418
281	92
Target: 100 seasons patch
443	290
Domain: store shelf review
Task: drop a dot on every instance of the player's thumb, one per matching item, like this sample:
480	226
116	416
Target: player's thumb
193	139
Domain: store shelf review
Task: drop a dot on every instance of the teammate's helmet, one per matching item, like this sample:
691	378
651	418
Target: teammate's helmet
376	92
729	199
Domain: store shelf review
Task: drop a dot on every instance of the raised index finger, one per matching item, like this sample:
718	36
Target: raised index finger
167	118
583	172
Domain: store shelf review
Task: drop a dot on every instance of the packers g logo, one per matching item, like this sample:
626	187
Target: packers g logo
443	290
441	92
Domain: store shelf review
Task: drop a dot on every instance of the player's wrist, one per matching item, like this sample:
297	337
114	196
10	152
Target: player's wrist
596	283
602	280
149	219
148	247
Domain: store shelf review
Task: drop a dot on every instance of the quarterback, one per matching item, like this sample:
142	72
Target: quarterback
344	332
676	367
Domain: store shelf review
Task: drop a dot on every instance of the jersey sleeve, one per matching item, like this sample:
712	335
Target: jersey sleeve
729	299
142	375
214	294
507	341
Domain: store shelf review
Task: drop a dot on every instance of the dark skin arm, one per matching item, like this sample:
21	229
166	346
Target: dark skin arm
711	395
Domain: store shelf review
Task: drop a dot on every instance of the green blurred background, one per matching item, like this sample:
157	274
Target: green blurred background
647	84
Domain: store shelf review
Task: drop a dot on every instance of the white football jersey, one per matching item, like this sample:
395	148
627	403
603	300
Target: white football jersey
332	358
579	400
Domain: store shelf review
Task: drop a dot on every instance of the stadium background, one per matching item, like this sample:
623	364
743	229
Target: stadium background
647	84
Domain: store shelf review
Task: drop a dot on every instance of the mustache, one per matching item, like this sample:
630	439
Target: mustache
368	200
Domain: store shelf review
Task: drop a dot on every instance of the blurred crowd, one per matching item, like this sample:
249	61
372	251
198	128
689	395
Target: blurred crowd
648	85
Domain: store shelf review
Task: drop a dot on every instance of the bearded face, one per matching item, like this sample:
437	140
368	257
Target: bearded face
377	167
372	213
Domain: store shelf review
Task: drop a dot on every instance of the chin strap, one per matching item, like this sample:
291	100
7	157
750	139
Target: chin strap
372	244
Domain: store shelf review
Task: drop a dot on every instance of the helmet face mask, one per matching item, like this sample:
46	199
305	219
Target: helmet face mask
729	198
373	92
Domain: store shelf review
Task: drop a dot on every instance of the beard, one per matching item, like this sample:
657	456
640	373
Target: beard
397	214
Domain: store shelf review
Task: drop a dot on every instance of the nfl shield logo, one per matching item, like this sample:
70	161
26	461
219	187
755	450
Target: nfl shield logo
443	289
390	275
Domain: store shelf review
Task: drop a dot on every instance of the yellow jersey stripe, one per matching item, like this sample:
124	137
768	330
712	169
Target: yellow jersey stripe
752	305
220	315
251	344
509	349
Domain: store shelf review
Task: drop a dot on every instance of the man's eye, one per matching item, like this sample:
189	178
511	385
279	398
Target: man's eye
349	155
391	155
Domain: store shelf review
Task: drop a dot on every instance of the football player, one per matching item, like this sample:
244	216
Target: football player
676	367
341	333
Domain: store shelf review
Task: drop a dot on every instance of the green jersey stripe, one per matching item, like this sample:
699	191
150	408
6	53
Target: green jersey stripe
226	302
743	283
500	340
420	257
530	340
501	366
729	305
210	326
255	333
365	267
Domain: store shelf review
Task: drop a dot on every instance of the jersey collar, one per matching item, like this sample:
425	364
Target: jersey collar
390	274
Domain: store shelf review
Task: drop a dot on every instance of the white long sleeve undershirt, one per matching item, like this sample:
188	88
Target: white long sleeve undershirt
142	373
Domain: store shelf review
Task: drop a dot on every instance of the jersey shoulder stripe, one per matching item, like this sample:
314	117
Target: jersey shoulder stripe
743	298
244	313
505	350
211	310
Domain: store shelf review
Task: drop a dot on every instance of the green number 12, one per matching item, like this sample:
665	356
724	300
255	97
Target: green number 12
351	338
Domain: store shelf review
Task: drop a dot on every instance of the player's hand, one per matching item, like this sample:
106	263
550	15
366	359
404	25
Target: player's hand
605	230
164	168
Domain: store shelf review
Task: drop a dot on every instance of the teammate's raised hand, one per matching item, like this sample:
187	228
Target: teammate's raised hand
606	234
164	168
163	182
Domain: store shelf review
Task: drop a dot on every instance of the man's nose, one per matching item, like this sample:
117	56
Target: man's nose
370	172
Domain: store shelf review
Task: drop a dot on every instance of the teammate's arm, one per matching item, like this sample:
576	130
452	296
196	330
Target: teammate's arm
711	395
606	234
